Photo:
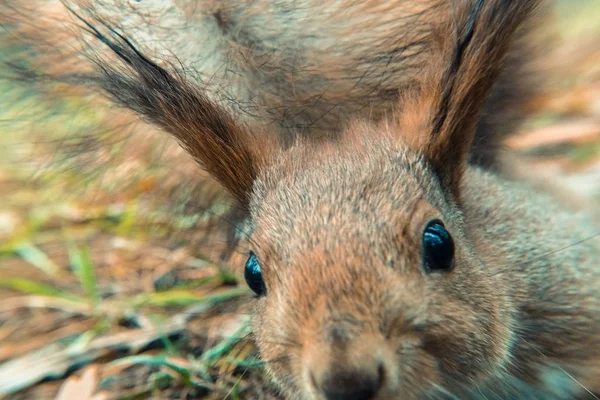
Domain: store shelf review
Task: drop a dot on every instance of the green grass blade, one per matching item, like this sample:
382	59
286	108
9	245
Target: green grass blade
217	352
179	297
28	286
82	265
36	257
162	361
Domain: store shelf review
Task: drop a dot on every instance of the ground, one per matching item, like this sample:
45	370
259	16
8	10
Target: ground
106	292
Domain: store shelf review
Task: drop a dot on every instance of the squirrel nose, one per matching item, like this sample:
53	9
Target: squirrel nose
353	385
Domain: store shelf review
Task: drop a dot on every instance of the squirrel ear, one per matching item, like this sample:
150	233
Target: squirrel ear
467	57
178	106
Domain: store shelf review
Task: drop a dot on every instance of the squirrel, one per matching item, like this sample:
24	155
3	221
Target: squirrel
386	263
288	69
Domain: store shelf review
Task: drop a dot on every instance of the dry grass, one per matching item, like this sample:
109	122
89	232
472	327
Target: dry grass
109	282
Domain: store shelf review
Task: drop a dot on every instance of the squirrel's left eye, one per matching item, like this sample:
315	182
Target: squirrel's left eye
438	248
253	275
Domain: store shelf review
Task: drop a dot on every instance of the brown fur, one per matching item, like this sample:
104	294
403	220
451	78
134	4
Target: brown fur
286	69
337	227
299	68
346	292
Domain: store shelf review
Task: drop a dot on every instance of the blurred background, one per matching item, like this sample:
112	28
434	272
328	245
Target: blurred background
111	284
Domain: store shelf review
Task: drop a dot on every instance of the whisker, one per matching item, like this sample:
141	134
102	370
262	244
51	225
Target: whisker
288	344
565	247
440	388
507	268
563	371
579	383
233	386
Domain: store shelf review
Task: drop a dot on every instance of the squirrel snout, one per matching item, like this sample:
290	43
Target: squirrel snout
363	383
350	372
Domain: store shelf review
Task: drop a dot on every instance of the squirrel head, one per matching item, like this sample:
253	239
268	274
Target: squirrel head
367	282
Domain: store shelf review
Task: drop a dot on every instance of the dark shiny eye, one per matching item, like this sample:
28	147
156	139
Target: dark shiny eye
253	275
438	248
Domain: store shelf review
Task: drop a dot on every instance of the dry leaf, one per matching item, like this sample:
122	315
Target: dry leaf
76	388
10	350
572	132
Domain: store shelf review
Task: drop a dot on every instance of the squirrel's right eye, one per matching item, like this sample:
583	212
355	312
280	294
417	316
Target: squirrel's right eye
438	248
253	275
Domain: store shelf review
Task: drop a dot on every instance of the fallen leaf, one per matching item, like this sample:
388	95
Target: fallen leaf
579	132
76	388
11	350
9	221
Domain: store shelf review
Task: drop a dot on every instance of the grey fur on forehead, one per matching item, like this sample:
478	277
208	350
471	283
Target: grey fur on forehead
342	193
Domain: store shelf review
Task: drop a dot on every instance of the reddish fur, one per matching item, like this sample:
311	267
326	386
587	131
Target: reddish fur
274	72
288	69
337	227
339	245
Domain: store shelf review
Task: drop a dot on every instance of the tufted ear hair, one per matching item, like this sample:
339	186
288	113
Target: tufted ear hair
440	116
227	149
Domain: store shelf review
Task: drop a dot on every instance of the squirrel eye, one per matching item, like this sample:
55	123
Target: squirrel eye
438	248
253	275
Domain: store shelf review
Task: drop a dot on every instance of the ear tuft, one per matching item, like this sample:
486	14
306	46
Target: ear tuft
469	49
168	100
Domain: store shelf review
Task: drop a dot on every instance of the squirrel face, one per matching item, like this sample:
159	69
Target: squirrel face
356	298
